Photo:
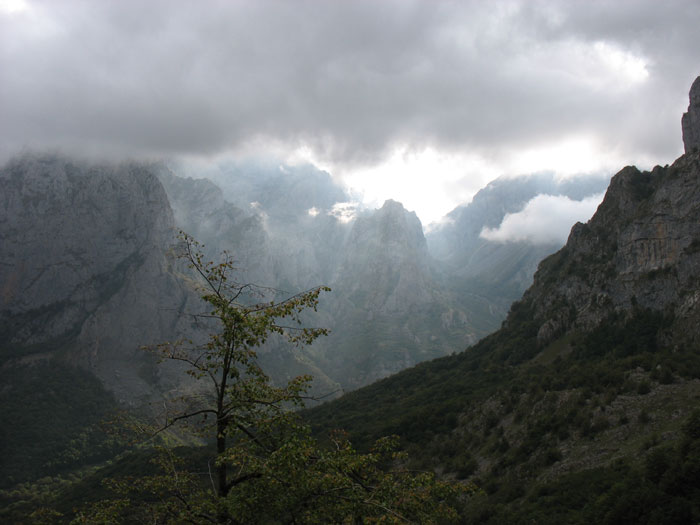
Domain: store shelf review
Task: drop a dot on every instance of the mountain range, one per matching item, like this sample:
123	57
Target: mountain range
86	272
593	374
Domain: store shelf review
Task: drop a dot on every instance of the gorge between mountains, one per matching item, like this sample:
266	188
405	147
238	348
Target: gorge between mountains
563	381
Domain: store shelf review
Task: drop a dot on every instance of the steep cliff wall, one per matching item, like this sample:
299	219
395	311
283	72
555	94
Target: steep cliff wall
83	272
641	249
691	119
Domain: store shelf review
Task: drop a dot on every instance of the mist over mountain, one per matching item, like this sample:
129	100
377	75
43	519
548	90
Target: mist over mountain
200	209
501	270
459	233
399	298
281	190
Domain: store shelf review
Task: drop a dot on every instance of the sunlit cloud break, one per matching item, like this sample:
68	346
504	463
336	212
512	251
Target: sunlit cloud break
344	211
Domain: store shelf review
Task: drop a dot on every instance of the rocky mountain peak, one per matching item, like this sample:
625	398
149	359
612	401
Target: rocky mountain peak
397	225
83	268
691	119
639	250
390	241
390	205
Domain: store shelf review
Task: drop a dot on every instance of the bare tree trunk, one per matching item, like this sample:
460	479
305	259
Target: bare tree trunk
221	468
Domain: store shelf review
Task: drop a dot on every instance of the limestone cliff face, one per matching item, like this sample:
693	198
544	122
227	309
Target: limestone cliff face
640	249
691	119
66	229
386	264
389	308
83	269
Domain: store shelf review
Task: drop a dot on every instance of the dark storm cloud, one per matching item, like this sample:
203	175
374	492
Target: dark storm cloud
350	79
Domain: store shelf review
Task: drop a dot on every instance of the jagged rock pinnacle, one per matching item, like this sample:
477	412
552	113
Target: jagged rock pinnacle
691	119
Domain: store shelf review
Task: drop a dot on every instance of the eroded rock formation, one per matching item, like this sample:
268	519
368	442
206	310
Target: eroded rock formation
691	119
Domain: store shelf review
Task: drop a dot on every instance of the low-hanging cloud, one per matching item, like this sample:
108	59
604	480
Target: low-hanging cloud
349	80
546	219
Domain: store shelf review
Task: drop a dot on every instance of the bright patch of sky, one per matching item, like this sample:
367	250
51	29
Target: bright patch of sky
622	64
565	157
432	183
13	6
428	182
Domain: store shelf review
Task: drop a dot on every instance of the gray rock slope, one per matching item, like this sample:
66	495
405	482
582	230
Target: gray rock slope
389	309
88	275
691	119
200	209
83	269
282	264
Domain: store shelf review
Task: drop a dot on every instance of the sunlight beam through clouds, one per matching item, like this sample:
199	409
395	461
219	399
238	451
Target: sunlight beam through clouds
428	182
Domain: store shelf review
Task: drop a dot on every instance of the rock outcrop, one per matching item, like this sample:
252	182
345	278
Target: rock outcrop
389	308
640	250
691	119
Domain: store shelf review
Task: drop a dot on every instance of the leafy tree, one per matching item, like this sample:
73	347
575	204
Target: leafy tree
239	395
268	468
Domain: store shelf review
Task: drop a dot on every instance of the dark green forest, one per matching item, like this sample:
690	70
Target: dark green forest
65	423
511	407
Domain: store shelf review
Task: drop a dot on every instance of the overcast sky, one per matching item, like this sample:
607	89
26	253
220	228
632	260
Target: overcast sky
423	101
